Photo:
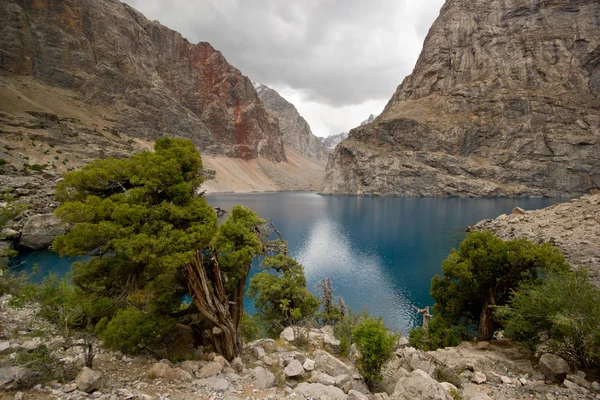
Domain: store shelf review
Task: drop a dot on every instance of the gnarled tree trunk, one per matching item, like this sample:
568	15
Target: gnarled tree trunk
211	299
486	318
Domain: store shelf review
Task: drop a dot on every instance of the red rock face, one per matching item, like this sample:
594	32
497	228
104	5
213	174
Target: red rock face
156	82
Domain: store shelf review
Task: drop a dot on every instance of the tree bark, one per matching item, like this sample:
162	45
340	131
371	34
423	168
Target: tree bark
486	320
211	299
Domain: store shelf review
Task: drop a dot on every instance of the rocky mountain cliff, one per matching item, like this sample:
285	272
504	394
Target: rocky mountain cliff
295	130
503	101
333	140
150	81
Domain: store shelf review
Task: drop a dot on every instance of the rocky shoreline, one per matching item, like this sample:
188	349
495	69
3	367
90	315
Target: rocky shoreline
572	227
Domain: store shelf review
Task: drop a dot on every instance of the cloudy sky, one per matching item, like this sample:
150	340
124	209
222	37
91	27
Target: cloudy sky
337	60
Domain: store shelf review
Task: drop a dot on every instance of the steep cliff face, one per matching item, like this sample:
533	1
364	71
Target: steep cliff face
152	80
295	130
503	101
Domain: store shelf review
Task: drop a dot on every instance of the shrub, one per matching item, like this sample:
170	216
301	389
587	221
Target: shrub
250	327
376	346
564	307
439	334
131	330
3	161
35	167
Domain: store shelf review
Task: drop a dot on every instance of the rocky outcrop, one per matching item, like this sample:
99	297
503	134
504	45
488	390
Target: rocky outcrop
40	230
503	101
149	80
572	227
295	130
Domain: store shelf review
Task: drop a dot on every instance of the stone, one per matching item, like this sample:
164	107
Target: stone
88	380
447	130
342	380
164	371
69	387
269	361
381	396
293	369
4	346
325	379
573	386
238	364
308	365
478	377
596	386
579	380
402	342
482	345
262	378
419	385
354	395
319	391
213	384
327	363
288	334
448	386
190	366
19	396
211	369
506	380
481	396
259	352
40	230
518	210
15	377
9	234
553	367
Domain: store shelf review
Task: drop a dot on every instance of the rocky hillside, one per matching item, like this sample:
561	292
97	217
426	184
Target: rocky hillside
573	227
269	369
295	130
152	81
334	140
503	101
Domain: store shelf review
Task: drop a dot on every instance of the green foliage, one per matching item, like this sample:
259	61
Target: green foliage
344	346
376	346
443	374
438	334
139	220
35	167
44	366
131	330
280	294
3	162
482	273
565	307
250	327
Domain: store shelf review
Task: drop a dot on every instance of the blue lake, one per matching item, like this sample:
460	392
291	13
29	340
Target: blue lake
378	252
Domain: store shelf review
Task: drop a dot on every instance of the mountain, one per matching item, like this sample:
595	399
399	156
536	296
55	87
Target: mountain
368	120
333	140
503	101
295	130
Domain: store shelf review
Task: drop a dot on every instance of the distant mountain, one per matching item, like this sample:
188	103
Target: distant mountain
295	131
368	120
333	140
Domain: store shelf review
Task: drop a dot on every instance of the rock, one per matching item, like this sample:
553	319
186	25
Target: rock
481	396
354	395
580	381
518	210
293	369
574	386
269	361
259	352
40	230
69	387
402	342
506	380
342	380
447	130
478	377
381	396
9	234
325	379
553	367
327	363
319	391
262	378
482	345
211	369
19	396
288	334
161	370
88	380
221	360
308	365
190	366
213	384
15	377
4	346
295	130
596	386
238	364
419	385
448	386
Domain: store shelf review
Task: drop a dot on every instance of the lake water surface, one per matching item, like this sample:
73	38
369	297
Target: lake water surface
378	252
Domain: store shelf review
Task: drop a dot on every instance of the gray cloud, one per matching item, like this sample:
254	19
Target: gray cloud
335	52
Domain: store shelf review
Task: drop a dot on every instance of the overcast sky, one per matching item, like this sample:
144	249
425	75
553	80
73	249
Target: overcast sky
337	61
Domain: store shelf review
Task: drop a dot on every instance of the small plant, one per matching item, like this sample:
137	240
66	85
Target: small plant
51	145
35	167
46	151
3	161
57	158
375	345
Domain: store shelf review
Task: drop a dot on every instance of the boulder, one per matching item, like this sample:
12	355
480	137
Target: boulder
40	230
325	379
580	381
319	391
164	371
15	377
262	378
211	369
88	380
9	234
259	352
288	334
354	395
479	377
213	384
327	363
5	347
308	365
293	369
553	367
238	364
419	385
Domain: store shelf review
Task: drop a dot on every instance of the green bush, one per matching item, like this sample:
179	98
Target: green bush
132	330
344	346
439	334
250	327
35	167
376	346
565	307
3	161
